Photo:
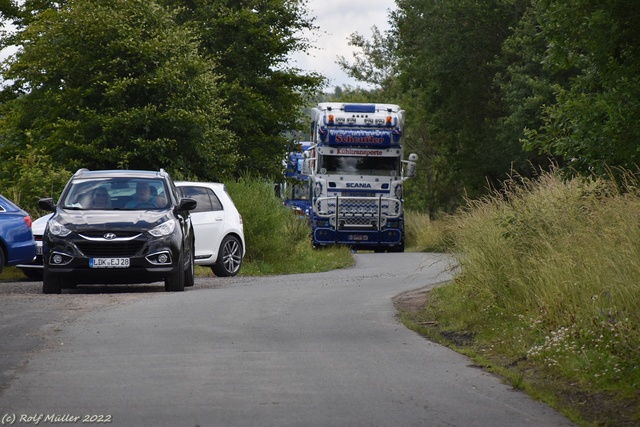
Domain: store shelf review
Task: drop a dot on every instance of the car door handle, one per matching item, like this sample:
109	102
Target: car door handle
219	219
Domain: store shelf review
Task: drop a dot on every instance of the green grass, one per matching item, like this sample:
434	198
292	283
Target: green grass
424	235
549	293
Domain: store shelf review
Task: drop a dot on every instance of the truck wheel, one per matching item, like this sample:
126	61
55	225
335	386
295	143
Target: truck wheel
399	248
229	258
51	283
174	282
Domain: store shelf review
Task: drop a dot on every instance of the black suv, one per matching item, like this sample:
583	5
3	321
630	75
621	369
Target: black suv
118	226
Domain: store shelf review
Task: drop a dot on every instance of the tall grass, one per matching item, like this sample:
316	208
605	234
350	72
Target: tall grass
278	241
550	275
425	235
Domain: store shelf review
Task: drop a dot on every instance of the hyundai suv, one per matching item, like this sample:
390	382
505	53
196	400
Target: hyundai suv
120	227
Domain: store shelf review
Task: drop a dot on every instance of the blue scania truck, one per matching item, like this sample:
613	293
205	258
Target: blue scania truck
356	172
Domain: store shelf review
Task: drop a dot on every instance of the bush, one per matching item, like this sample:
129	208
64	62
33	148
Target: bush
27	178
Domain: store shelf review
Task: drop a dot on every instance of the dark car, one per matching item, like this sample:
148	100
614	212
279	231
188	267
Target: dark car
118	227
16	241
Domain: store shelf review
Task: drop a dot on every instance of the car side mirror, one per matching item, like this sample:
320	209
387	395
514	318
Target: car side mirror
47	204
187	204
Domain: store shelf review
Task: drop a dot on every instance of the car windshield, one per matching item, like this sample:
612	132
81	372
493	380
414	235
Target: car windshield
115	194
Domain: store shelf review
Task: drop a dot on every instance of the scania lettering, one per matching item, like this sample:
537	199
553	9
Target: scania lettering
356	173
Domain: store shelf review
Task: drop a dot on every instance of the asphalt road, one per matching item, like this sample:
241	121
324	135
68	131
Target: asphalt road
301	350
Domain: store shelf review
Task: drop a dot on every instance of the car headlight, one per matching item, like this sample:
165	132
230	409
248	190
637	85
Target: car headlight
164	229
58	229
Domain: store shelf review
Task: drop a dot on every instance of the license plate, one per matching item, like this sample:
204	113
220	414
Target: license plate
109	262
38	250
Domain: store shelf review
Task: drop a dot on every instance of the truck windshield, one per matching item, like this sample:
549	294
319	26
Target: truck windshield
353	165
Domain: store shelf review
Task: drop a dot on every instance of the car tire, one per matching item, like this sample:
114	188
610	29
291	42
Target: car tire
51	283
189	275
2	257
175	281
229	258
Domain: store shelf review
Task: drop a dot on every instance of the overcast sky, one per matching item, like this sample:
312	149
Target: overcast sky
338	19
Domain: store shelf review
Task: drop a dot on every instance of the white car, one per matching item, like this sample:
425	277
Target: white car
218	227
35	268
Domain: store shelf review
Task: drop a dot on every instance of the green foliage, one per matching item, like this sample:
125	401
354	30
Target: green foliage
377	63
116	84
592	64
549	274
28	177
250	42
278	241
202	89
500	86
447	54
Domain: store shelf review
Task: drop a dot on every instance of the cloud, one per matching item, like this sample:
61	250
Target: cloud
337	20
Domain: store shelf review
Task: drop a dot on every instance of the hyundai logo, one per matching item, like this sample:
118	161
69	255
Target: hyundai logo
110	236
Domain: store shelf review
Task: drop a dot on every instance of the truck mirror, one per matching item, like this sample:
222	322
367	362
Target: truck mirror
411	169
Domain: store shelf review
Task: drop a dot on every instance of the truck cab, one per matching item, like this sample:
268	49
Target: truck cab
356	169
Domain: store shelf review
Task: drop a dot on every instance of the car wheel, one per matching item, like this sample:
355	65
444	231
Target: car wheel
51	283
229	258
1	260
175	281
32	273
189	274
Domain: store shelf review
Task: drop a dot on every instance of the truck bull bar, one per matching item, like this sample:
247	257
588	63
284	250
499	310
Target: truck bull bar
358	213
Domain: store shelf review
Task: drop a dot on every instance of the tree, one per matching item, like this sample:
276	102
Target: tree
376	63
447	66
250	40
590	79
106	84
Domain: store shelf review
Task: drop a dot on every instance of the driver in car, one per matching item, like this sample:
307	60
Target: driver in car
143	197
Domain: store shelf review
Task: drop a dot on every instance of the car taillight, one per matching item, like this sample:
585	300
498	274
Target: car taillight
240	218
27	219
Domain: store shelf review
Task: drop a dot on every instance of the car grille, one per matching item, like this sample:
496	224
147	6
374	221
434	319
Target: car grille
110	249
